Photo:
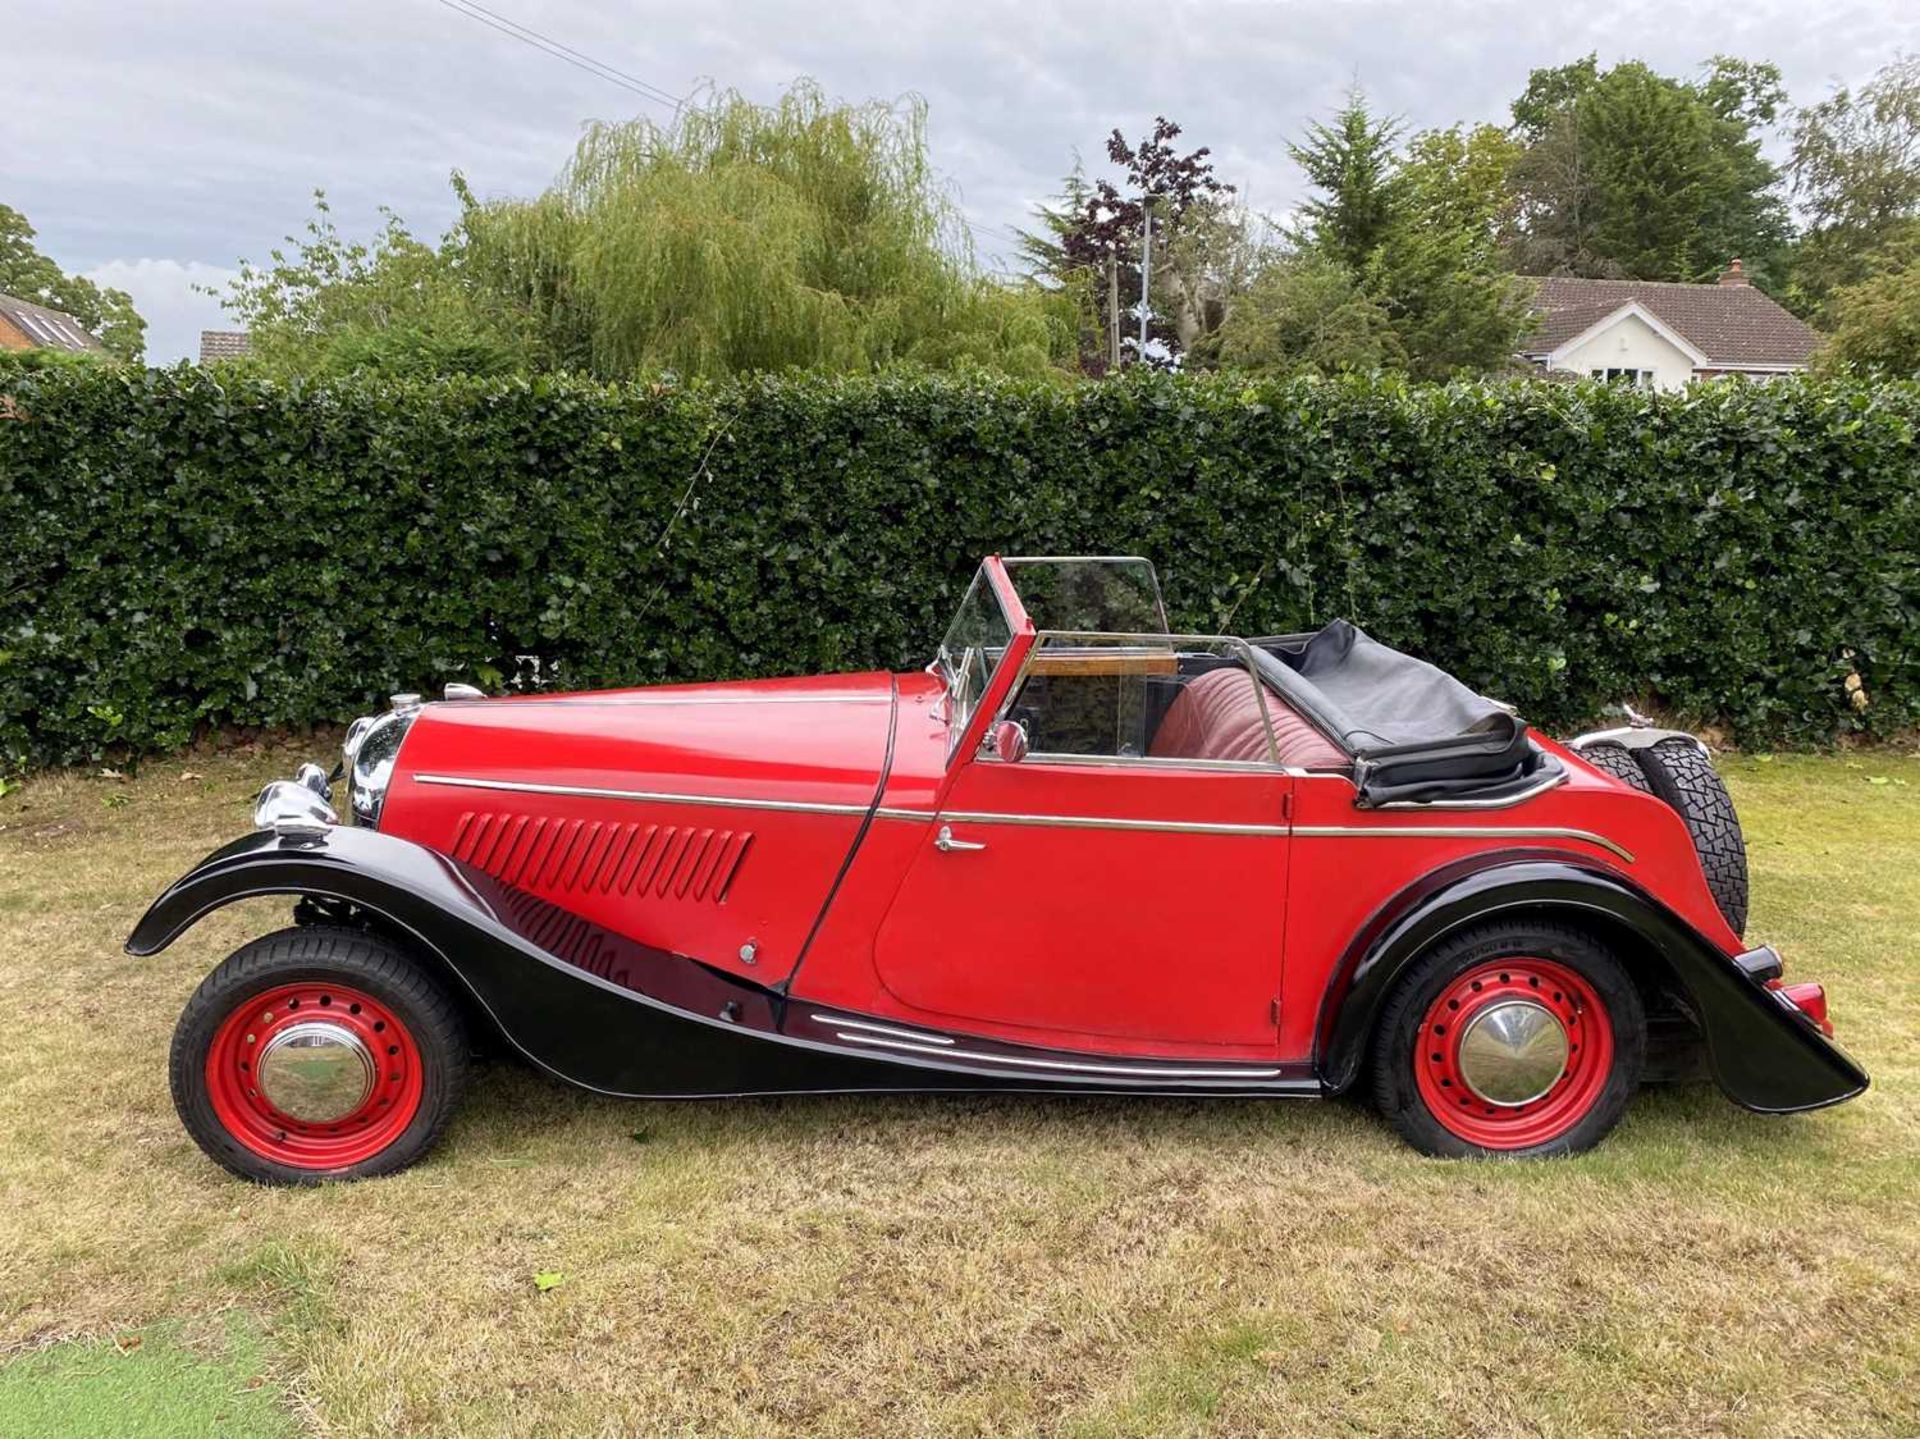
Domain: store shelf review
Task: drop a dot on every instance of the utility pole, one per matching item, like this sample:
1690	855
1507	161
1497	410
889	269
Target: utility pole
1113	306
1146	274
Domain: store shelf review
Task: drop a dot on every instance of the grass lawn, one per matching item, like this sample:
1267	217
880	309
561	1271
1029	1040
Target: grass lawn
905	1267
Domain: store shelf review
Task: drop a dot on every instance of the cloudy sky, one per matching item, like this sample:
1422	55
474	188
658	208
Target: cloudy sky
155	144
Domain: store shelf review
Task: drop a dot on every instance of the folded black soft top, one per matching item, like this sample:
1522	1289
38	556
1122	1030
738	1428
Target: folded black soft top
1416	733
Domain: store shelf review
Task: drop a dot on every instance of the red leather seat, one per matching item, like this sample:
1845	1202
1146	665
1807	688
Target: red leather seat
1217	716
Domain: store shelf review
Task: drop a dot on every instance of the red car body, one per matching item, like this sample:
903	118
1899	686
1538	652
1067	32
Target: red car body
828	883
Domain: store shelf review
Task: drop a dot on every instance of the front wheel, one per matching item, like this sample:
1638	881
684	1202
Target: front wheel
317	1053
1518	1039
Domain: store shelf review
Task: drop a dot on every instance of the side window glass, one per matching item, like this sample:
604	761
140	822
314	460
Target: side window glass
1161	700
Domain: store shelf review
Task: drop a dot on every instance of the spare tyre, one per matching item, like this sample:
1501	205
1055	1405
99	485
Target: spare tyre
1618	761
1676	769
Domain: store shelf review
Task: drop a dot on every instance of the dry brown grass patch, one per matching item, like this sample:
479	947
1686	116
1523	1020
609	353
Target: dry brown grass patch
983	1266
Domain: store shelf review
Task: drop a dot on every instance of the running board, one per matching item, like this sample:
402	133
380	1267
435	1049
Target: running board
1029	1063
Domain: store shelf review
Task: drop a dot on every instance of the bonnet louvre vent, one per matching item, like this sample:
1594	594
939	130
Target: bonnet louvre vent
592	856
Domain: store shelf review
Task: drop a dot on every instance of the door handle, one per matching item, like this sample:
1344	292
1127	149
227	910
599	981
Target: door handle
947	844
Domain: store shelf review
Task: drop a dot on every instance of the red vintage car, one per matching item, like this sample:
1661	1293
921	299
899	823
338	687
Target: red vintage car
1077	854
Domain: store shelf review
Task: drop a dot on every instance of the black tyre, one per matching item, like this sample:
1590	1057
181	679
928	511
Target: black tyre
318	1053
1518	1039
1680	772
1618	761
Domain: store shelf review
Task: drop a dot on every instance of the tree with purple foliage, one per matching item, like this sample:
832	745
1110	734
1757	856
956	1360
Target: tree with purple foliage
1091	242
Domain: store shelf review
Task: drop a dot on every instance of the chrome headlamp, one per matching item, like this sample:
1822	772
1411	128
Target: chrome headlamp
372	748
297	807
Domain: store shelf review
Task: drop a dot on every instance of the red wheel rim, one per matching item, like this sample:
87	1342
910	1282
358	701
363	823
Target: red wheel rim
1505	987
393	1088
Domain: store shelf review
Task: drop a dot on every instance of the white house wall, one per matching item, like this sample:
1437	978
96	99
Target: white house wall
1630	343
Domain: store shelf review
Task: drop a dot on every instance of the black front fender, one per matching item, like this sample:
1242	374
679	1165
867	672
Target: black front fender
614	1015
590	1006
1764	1054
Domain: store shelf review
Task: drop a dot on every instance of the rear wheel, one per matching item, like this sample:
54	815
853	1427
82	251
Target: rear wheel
1522	1038
317	1053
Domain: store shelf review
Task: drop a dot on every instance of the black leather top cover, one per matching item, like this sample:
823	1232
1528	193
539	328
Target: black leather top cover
1416	733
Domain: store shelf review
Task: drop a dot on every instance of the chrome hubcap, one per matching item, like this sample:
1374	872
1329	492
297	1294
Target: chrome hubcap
1513	1052
316	1072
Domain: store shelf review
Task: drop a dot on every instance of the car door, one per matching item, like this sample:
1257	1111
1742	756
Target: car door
1099	891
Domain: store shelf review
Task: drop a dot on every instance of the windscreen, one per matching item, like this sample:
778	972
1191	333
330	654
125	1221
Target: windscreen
1114	594
975	643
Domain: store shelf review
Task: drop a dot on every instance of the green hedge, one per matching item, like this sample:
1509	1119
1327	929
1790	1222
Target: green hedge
184	552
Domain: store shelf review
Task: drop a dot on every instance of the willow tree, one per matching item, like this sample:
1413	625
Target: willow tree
802	234
749	237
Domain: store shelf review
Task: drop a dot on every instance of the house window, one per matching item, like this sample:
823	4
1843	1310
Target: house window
1639	379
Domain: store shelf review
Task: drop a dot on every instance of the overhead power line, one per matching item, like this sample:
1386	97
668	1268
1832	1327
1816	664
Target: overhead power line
567	53
978	226
645	89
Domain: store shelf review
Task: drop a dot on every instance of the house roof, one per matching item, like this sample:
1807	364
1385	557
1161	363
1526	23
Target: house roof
48	329
222	345
1734	325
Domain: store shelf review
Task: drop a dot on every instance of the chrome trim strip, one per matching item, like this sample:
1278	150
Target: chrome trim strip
1146	761
838	1023
1060	821
789	806
1302	831
1084	821
1069	1066
1538	787
1458	831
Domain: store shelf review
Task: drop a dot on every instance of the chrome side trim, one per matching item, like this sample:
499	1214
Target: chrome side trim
1068	1066
714	801
1084	821
888	1030
1459	831
1146	761
1059	821
1538	787
1301	831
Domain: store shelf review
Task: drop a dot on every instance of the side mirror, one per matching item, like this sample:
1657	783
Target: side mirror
1007	740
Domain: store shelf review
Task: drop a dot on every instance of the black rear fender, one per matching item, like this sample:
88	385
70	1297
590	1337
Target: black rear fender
1763	1053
